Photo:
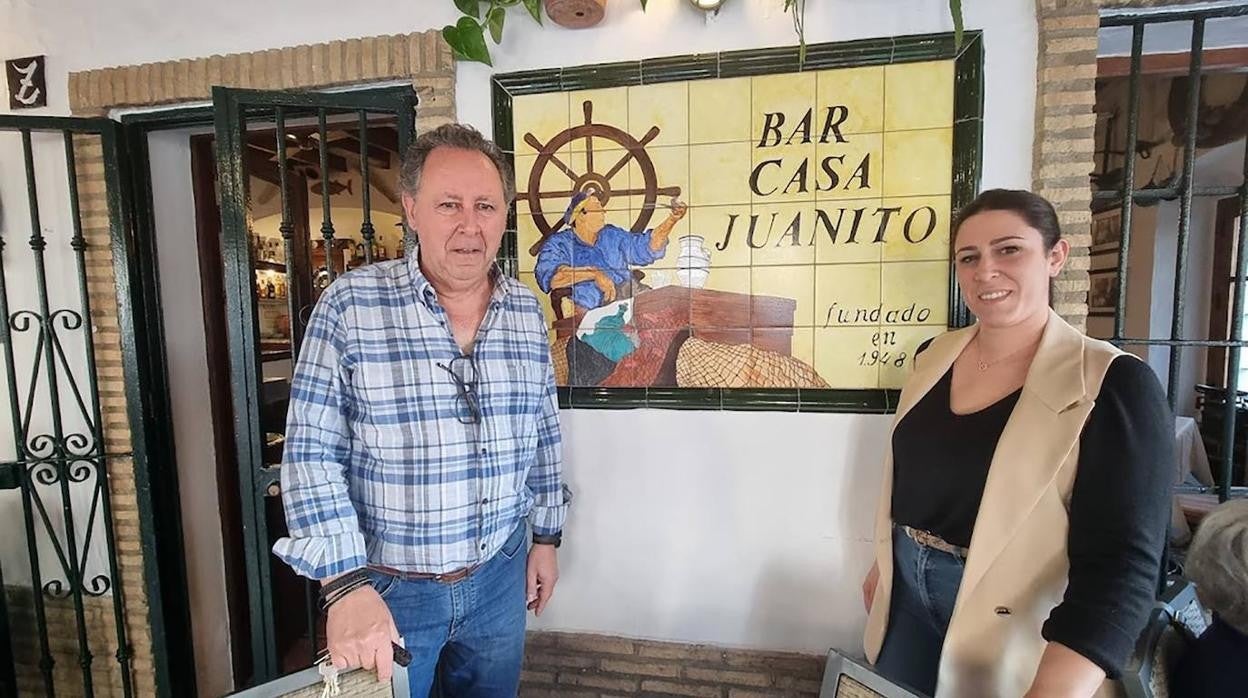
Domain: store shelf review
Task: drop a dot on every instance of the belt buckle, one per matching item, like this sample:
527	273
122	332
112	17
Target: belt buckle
932	540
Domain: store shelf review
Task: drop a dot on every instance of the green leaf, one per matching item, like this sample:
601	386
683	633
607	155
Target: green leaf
955	10
469	7
495	21
472	41
535	8
451	34
467	41
643	5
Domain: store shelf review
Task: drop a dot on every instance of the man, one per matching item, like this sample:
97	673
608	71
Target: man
423	430
593	257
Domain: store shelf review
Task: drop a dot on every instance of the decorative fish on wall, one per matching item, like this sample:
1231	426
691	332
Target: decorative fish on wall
334	188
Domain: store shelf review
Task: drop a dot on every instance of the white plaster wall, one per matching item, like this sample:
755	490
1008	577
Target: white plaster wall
1218	167
1140	270
741	529
192	416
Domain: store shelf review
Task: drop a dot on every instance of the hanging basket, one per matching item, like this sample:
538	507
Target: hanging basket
576	14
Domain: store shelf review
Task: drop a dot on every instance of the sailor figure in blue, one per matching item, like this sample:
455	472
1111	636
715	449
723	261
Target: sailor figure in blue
593	257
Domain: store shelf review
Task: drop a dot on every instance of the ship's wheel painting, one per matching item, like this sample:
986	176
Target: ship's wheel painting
595	180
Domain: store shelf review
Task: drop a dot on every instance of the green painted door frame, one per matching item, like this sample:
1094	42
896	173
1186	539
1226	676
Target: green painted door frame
233	110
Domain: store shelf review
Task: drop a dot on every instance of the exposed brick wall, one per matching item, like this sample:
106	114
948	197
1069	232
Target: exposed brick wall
63	646
568	664
102	291
423	57
1062	154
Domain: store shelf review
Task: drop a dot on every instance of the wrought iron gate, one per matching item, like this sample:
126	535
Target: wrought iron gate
235	112
1228	404
62	454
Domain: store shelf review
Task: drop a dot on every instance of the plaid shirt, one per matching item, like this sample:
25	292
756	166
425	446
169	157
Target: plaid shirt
379	468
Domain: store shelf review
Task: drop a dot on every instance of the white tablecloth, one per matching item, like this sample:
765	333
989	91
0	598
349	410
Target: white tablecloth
1192	457
1192	461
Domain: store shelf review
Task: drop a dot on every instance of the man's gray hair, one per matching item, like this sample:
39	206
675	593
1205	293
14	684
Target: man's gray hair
459	136
1217	562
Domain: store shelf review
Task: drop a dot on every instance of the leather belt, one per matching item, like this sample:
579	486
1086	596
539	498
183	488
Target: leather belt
446	578
932	540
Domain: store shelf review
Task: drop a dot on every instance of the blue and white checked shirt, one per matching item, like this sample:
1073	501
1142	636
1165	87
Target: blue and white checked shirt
378	467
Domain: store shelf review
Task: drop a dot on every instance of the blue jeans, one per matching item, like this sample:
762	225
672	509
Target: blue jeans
925	587
466	637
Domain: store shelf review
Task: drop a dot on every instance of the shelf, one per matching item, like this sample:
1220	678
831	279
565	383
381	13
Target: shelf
266	265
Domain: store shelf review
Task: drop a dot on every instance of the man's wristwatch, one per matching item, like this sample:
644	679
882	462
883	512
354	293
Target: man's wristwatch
554	540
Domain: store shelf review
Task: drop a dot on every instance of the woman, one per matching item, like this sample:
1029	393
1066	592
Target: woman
1217	664
1026	490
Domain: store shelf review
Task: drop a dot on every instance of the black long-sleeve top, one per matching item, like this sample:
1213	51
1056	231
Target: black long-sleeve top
1119	506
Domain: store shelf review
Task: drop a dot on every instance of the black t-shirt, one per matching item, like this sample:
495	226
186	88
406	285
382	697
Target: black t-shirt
940	462
1119	506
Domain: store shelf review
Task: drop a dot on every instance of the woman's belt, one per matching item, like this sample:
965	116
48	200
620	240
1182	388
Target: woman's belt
932	540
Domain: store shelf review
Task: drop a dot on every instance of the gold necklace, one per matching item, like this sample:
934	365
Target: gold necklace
985	365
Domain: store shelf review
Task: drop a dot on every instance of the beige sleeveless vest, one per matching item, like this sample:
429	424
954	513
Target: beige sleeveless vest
1017	557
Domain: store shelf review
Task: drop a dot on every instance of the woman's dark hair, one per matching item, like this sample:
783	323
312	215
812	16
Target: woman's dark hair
1032	208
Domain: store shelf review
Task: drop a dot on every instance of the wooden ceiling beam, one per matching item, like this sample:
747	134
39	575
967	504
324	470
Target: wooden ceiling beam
1212	60
261	167
377	156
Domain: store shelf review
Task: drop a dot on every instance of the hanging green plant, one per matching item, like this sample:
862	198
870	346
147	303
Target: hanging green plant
955	11
798	8
467	36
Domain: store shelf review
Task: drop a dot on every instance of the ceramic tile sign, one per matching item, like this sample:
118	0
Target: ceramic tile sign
783	230
27	82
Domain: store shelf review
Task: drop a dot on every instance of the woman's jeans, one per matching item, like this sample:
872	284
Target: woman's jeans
925	587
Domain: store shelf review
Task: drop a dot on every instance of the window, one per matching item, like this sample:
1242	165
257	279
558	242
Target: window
1166	276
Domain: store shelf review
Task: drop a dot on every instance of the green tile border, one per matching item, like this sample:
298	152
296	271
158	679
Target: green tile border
850	54
968	147
685	398
589	77
965	181
610	398
762	399
696	67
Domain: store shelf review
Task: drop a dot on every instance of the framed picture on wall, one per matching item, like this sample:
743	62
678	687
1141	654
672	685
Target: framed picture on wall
1102	292
757	224
1106	230
1103	260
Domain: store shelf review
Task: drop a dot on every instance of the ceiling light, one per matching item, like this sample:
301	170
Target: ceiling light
707	5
